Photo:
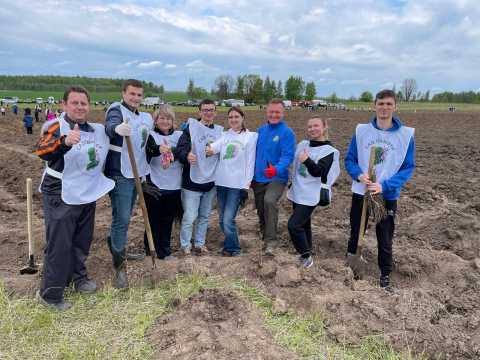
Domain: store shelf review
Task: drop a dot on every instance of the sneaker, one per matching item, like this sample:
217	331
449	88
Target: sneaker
60	306
135	256
268	250
169	258
186	251
202	250
224	253
86	287
385	282
308	262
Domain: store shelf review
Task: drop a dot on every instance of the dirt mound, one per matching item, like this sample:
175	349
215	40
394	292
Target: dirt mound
214	325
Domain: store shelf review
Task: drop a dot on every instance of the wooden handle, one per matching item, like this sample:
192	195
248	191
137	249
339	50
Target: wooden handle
29	217
371	174
138	185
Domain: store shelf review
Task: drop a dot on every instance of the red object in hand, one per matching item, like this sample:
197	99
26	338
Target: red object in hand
270	171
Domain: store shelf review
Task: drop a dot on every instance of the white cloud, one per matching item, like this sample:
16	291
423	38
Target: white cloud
149	64
325	71
130	63
170	66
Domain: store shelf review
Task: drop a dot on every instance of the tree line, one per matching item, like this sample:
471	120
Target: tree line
60	83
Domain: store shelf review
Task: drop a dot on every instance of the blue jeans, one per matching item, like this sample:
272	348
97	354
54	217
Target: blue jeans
228	204
196	204
123	198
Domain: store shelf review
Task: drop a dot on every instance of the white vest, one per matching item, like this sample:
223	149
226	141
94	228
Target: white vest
237	159
171	177
141	125
82	178
204	170
394	145
305	189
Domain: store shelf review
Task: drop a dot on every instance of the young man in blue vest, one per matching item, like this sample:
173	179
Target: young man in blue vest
124	119
394	168
274	154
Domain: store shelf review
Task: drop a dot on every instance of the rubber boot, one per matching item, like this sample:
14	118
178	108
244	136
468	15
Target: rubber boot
120	280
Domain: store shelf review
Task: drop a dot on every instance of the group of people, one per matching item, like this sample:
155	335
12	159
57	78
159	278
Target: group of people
182	171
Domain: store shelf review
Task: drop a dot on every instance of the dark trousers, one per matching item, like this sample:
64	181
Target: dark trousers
69	233
29	130
267	196
161	213
300	229
384	230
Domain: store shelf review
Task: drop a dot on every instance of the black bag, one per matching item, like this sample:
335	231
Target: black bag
324	195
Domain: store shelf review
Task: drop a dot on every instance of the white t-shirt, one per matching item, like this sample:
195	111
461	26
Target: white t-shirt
237	158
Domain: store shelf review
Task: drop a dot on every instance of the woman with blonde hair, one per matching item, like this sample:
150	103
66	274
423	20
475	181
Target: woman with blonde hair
165	178
315	169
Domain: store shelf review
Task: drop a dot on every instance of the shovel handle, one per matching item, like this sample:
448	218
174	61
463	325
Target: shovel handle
29	218
141	199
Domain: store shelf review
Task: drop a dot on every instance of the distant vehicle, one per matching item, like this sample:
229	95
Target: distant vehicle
152	101
234	102
9	100
287	104
193	102
319	103
28	101
50	100
38	100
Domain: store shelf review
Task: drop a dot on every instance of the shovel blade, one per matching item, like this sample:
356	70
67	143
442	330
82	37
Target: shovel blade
357	263
28	270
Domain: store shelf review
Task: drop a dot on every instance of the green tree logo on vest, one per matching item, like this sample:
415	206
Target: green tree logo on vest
92	158
230	152
380	155
144	137
302	170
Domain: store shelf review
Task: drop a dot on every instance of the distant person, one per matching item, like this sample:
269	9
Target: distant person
274	154
3	111
28	120
166	177
74	151
233	175
15	109
394	167
315	169
51	115
37	113
198	177
124	119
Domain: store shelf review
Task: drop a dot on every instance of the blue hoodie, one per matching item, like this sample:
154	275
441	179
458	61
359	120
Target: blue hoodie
275	146
390	187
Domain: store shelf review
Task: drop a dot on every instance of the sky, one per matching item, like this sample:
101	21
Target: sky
342	46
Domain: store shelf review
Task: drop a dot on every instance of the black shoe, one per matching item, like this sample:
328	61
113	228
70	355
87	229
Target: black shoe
60	306
385	282
86	287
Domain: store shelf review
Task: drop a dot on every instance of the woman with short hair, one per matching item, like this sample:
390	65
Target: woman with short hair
315	169
165	179
233	174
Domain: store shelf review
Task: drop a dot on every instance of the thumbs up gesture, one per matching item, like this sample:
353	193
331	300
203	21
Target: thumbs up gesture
303	156
124	128
73	136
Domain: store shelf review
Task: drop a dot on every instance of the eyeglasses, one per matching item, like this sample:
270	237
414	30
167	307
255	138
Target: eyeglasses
208	110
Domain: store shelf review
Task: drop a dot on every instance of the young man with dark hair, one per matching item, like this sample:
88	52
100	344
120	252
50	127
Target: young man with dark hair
75	151
198	186
275	152
123	119
393	168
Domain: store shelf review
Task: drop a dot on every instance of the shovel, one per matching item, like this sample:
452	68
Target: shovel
357	262
141	199
31	268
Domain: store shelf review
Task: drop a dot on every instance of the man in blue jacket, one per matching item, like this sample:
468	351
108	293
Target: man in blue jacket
393	168
275	153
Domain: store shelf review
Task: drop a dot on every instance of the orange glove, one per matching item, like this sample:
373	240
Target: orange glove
270	171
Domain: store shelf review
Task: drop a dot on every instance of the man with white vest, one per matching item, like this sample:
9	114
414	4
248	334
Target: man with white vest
394	168
198	186
315	168
124	119
74	151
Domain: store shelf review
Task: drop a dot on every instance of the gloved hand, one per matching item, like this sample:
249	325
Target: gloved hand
270	171
123	129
